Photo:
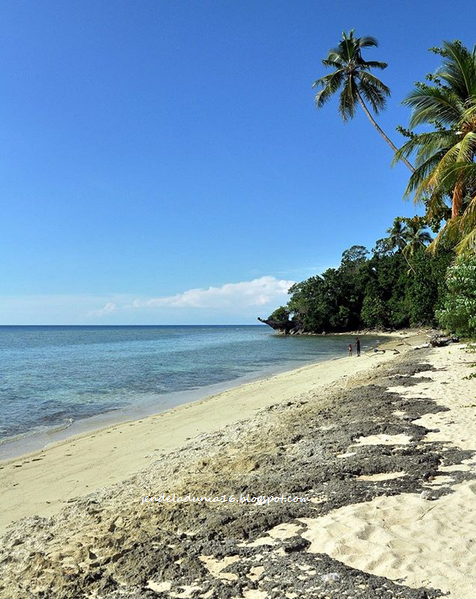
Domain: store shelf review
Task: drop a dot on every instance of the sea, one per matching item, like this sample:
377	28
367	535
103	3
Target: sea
56	381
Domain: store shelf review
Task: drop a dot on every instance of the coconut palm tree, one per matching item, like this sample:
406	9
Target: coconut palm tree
407	235
444	156
357	84
416	236
396	237
460	231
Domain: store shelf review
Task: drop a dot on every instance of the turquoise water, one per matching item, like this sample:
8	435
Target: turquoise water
51	377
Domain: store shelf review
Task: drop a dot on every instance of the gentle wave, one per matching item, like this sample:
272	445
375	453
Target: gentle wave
54	376
48	431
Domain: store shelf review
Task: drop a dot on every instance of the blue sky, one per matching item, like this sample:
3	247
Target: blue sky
162	161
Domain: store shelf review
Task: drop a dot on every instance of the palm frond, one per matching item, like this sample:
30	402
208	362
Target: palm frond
374	64
373	95
332	80
322	97
330	84
348	100
448	158
430	104
435	206
375	82
461	170
467	226
367	41
419	182
333	59
448	236
348	49
468	244
433	142
426	145
467	147
336	64
458	69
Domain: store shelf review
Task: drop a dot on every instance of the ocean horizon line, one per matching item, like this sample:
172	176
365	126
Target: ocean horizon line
135	325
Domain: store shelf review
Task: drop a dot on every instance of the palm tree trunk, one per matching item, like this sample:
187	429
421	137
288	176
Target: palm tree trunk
410	269
457	202
387	139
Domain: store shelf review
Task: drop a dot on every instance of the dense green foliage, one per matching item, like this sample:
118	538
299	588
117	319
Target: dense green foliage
384	289
458	313
444	153
408	278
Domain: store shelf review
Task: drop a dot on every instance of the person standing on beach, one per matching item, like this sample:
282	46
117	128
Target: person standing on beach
350	349
357	346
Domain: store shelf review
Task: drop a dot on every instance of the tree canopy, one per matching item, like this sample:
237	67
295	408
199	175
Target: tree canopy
374	289
400	282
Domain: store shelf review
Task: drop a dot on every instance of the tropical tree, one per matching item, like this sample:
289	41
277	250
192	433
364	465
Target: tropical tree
408	235
444	157
462	229
396	235
371	290
416	236
458	313
357	84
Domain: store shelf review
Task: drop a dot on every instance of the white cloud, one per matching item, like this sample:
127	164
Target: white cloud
108	308
230	303
258	292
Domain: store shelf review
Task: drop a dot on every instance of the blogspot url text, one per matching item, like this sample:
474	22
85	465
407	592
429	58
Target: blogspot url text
242	498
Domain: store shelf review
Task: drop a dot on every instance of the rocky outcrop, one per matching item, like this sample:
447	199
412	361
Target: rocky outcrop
283	328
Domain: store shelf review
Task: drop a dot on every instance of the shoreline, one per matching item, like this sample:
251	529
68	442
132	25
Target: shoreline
43	481
34	441
386	451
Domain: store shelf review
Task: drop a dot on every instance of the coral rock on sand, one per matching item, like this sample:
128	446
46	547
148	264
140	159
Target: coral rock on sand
107	545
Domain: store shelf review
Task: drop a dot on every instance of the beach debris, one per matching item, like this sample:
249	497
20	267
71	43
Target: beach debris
330	578
440	340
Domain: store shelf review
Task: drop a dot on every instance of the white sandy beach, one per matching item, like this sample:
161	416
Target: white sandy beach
414	539
40	483
410	538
